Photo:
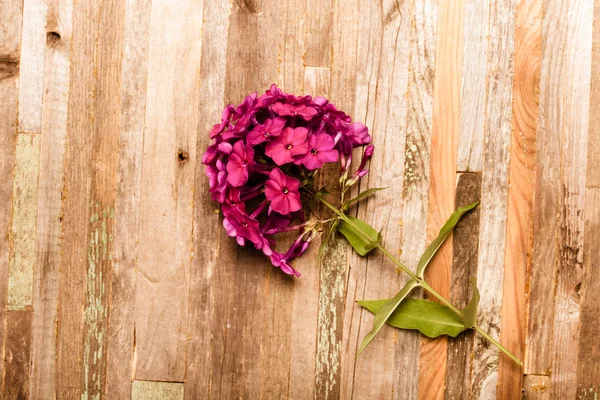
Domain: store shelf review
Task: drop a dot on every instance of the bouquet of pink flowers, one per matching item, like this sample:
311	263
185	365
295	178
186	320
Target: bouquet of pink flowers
262	171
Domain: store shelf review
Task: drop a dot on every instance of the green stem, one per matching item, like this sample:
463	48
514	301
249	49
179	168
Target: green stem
420	280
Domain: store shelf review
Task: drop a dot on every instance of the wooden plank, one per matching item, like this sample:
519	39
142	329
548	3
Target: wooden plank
319	25
206	220
11	13
127	201
473	88
443	153
334	374
293	18
536	387
71	380
33	45
496	156
17	353
464	267
148	390
588	368
54	130
575	112
519	219
167	190
544	258
391	86
24	221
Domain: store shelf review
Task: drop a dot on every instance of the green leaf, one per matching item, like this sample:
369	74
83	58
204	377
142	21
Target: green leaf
356	239
360	196
442	236
430	318
470	311
385	311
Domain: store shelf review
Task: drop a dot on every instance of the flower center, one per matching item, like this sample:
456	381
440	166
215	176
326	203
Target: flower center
314	152
285	190
267	134
245	223
289	146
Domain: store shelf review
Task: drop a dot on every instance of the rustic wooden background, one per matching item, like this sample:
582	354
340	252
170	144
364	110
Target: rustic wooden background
117	280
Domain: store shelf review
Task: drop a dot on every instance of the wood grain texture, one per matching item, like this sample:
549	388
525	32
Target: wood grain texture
17	352
125	282
54	131
519	217
10	41
576	83
496	156
465	240
24	221
200	373
31	70
443	153
167	191
473	94
588	367
149	390
120	346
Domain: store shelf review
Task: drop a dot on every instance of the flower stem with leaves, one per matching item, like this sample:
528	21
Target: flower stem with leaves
364	239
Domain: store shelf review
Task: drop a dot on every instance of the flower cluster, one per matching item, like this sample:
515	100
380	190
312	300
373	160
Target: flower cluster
260	167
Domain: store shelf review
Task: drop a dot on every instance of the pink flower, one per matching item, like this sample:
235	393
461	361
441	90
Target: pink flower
302	110
357	134
217	179
239	163
282	191
262	133
290	143
241	226
320	151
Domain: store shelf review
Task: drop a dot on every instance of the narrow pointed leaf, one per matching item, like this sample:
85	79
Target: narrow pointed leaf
430	318
361	196
356	239
385	311
442	236
470	311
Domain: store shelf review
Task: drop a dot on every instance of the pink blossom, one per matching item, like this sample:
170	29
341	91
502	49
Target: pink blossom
302	110
265	131
291	143
239	164
320	151
282	191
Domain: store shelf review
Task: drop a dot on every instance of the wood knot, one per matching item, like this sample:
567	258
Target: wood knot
183	156
52	37
9	66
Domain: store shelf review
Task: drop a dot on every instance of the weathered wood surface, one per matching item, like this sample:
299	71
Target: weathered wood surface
118	281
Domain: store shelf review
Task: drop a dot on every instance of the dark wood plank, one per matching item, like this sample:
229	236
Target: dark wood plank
465	245
17	354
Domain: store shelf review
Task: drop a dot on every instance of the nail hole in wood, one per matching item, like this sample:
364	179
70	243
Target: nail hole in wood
52	37
182	156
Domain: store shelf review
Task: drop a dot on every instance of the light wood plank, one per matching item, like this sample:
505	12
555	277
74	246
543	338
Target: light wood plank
443	153
33	45
544	258
54	130
536	387
24	221
11	15
127	200
473	88
464	267
167	190
319	25
575	113
519	218
200	373
588	368
496	156
333	376
17	353
148	390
